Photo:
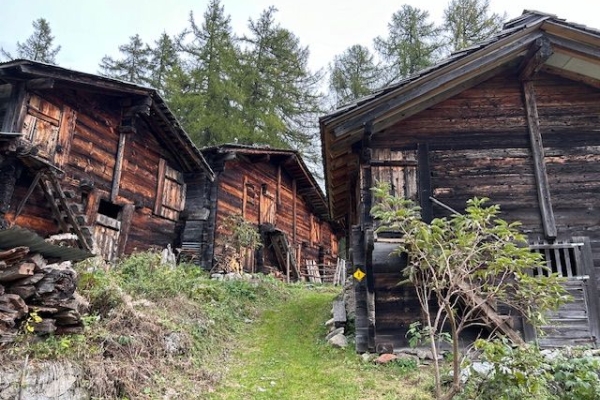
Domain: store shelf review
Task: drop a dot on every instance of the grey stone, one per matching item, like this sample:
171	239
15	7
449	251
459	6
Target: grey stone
175	343
368	357
218	277
338	340
334	332
330	322
43	381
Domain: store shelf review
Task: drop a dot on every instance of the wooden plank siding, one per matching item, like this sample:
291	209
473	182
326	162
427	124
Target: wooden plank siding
479	145
90	160
262	190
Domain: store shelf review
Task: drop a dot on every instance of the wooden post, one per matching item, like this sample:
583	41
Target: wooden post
294	211
287	266
114	192
537	149
424	183
244	196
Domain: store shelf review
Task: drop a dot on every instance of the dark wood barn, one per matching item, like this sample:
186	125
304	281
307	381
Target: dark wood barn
273	190
516	119
91	156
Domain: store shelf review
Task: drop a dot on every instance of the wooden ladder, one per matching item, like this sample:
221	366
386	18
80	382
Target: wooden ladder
282	250
68	213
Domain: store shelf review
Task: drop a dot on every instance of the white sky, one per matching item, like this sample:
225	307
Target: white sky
89	29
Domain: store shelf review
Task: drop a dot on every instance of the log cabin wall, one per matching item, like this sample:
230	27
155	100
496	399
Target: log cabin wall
130	189
262	190
478	145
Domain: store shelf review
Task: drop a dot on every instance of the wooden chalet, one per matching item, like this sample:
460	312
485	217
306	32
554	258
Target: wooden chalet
273	190
516	119
95	157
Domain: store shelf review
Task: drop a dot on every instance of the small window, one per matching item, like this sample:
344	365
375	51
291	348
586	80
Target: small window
170	196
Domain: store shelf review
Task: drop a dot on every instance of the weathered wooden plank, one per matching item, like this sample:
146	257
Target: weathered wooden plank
116	178
537	148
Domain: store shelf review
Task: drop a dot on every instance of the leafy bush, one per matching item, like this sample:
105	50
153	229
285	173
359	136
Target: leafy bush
525	373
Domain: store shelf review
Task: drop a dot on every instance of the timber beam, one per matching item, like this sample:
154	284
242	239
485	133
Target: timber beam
537	150
536	56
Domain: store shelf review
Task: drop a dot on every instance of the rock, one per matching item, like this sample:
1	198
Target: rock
385	358
338	340
350	300
330	322
368	357
411	357
550	354
175	343
427	355
43	381
334	332
217	277
385	348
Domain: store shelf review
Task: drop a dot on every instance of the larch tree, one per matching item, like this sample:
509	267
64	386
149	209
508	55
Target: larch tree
133	67
164	59
412	43
281	93
469	21
353	74
208	99
38	47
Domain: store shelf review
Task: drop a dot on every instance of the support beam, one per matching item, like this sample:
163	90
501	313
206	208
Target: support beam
537	150
424	182
114	192
538	53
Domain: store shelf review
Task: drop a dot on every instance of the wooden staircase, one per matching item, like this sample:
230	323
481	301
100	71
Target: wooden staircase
68	212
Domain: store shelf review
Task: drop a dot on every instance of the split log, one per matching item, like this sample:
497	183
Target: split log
23	291
12	307
15	272
69	330
57	285
44	327
13	255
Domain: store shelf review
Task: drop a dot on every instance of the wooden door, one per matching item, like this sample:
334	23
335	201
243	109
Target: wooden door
106	236
267	208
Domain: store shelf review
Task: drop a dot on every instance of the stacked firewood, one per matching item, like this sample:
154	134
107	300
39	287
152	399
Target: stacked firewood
35	296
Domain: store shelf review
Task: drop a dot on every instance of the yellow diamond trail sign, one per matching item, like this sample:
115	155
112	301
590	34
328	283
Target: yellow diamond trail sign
358	274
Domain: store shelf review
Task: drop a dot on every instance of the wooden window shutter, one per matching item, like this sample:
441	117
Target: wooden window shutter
170	194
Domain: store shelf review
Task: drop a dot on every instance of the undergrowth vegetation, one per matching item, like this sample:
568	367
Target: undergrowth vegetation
154	331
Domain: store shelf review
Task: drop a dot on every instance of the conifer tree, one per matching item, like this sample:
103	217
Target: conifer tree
163	61
133	67
38	47
353	74
469	21
412	44
282	100
205	93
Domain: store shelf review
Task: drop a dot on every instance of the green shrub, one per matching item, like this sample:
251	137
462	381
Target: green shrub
525	373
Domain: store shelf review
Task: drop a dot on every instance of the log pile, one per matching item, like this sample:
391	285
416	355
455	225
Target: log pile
37	296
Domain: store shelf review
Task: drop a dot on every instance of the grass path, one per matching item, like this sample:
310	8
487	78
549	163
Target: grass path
284	356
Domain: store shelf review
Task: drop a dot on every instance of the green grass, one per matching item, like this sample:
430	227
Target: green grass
284	356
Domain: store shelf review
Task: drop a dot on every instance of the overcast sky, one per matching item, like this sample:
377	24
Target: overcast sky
89	29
